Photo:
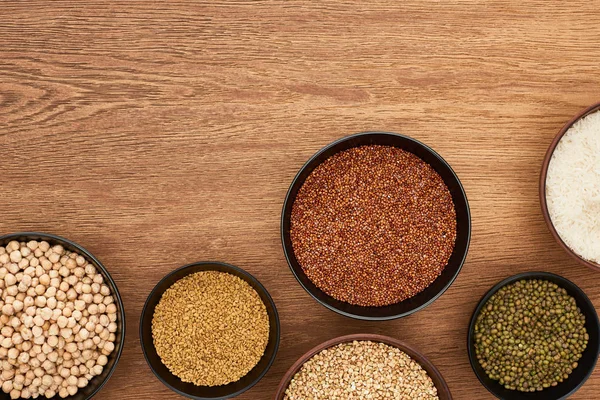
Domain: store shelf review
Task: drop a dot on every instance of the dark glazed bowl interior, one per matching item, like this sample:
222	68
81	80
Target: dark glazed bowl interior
98	381
463	228
432	371
207	392
586	363
544	174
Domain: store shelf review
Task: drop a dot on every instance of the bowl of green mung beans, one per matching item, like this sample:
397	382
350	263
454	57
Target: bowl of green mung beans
534	336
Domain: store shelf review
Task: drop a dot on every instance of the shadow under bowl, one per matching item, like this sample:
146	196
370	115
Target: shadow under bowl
432	371
586	363
542	186
463	227
96	383
207	392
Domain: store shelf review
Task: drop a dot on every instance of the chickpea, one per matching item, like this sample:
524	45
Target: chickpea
17	306
64	286
72	280
62	321
41	356
40	290
24	357
7	386
13	353
39	340
14	269
46	313
11	291
102	360
53	356
15	322
8	374
10	280
15	256
104	290
77	315
50	292
38	320
97	369
61	296
47	380
8	309
70	263
72	294
90	326
6	331
87	298
52	341
17	339
46	264
56	313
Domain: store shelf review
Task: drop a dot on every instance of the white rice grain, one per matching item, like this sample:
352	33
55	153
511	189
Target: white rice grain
573	187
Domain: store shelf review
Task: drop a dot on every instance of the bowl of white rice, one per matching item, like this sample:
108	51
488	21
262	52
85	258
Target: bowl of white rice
570	187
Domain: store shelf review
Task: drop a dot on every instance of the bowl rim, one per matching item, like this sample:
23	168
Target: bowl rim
419	358
506	281
98	264
250	277
542	185
335	143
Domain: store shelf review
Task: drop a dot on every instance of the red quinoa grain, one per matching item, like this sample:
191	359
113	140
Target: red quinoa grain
373	225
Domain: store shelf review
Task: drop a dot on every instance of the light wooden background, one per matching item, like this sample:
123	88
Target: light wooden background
157	133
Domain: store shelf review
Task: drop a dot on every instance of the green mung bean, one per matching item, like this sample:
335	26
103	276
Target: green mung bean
530	335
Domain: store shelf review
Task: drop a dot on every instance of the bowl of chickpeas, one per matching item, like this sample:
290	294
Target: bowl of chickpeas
62	321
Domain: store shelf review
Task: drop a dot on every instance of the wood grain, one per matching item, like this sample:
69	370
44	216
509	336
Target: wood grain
160	133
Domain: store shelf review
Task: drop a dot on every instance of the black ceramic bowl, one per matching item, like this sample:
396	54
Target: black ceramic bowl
586	363
98	381
207	392
463	228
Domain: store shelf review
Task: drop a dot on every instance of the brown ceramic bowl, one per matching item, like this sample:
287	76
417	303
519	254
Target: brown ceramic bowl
436	376
587	111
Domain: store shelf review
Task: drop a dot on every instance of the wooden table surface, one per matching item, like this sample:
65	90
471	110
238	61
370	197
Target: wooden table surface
161	133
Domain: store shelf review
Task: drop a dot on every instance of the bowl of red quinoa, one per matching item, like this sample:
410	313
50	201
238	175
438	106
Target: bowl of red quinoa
379	365
376	226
